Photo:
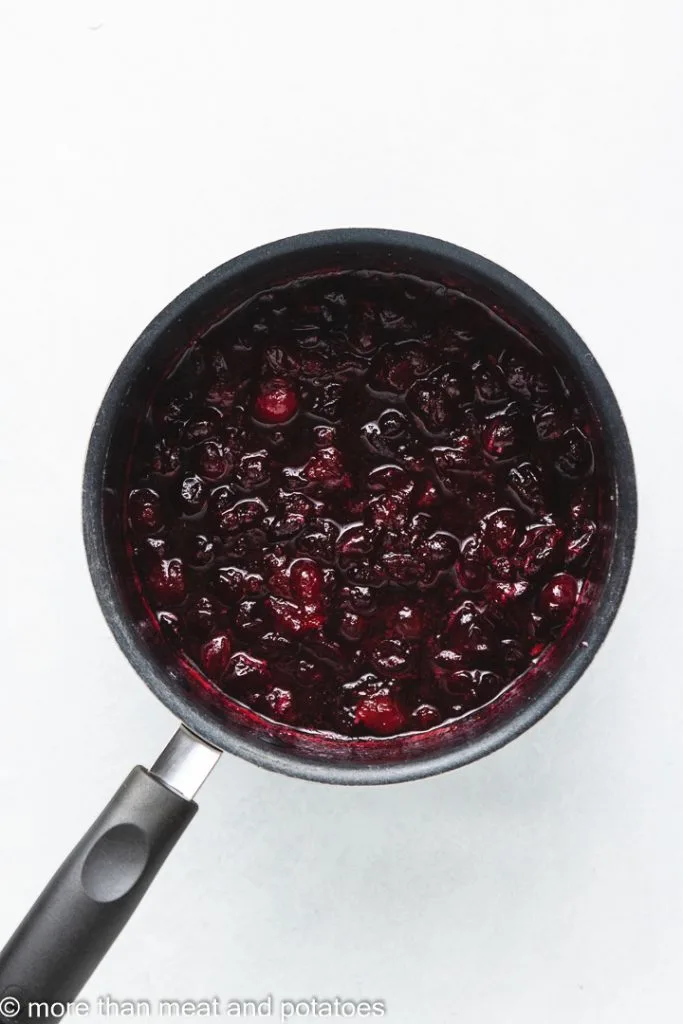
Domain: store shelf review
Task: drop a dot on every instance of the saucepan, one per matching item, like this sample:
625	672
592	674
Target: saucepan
93	894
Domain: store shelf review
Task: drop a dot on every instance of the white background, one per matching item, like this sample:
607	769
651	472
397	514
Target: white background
145	142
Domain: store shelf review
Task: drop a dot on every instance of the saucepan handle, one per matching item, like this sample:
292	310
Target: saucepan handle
83	909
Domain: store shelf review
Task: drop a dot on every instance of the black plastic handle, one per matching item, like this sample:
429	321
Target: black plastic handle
81	912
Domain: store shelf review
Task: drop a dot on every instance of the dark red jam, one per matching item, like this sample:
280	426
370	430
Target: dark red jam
363	503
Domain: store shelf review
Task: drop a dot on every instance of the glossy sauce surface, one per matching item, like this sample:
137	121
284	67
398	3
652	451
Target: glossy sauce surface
363	504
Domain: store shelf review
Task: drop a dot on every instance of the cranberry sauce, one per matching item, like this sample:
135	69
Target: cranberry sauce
362	503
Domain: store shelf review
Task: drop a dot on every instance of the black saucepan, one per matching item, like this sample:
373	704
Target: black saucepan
93	894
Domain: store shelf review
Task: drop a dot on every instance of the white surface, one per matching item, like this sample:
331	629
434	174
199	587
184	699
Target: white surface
144	143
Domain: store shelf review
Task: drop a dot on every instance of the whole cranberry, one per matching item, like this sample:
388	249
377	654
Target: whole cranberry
392	423
352	626
276	401
361	598
202	427
503	432
425	716
501	530
527	377
558	596
324	436
468	630
212	460
144	509
192	495
326	466
356	540
280	703
324	399
306	580
293	511
459	689
392	657
279	582
398	365
380	714
253	469
318	540
390	510
439	550
539	549
166	581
